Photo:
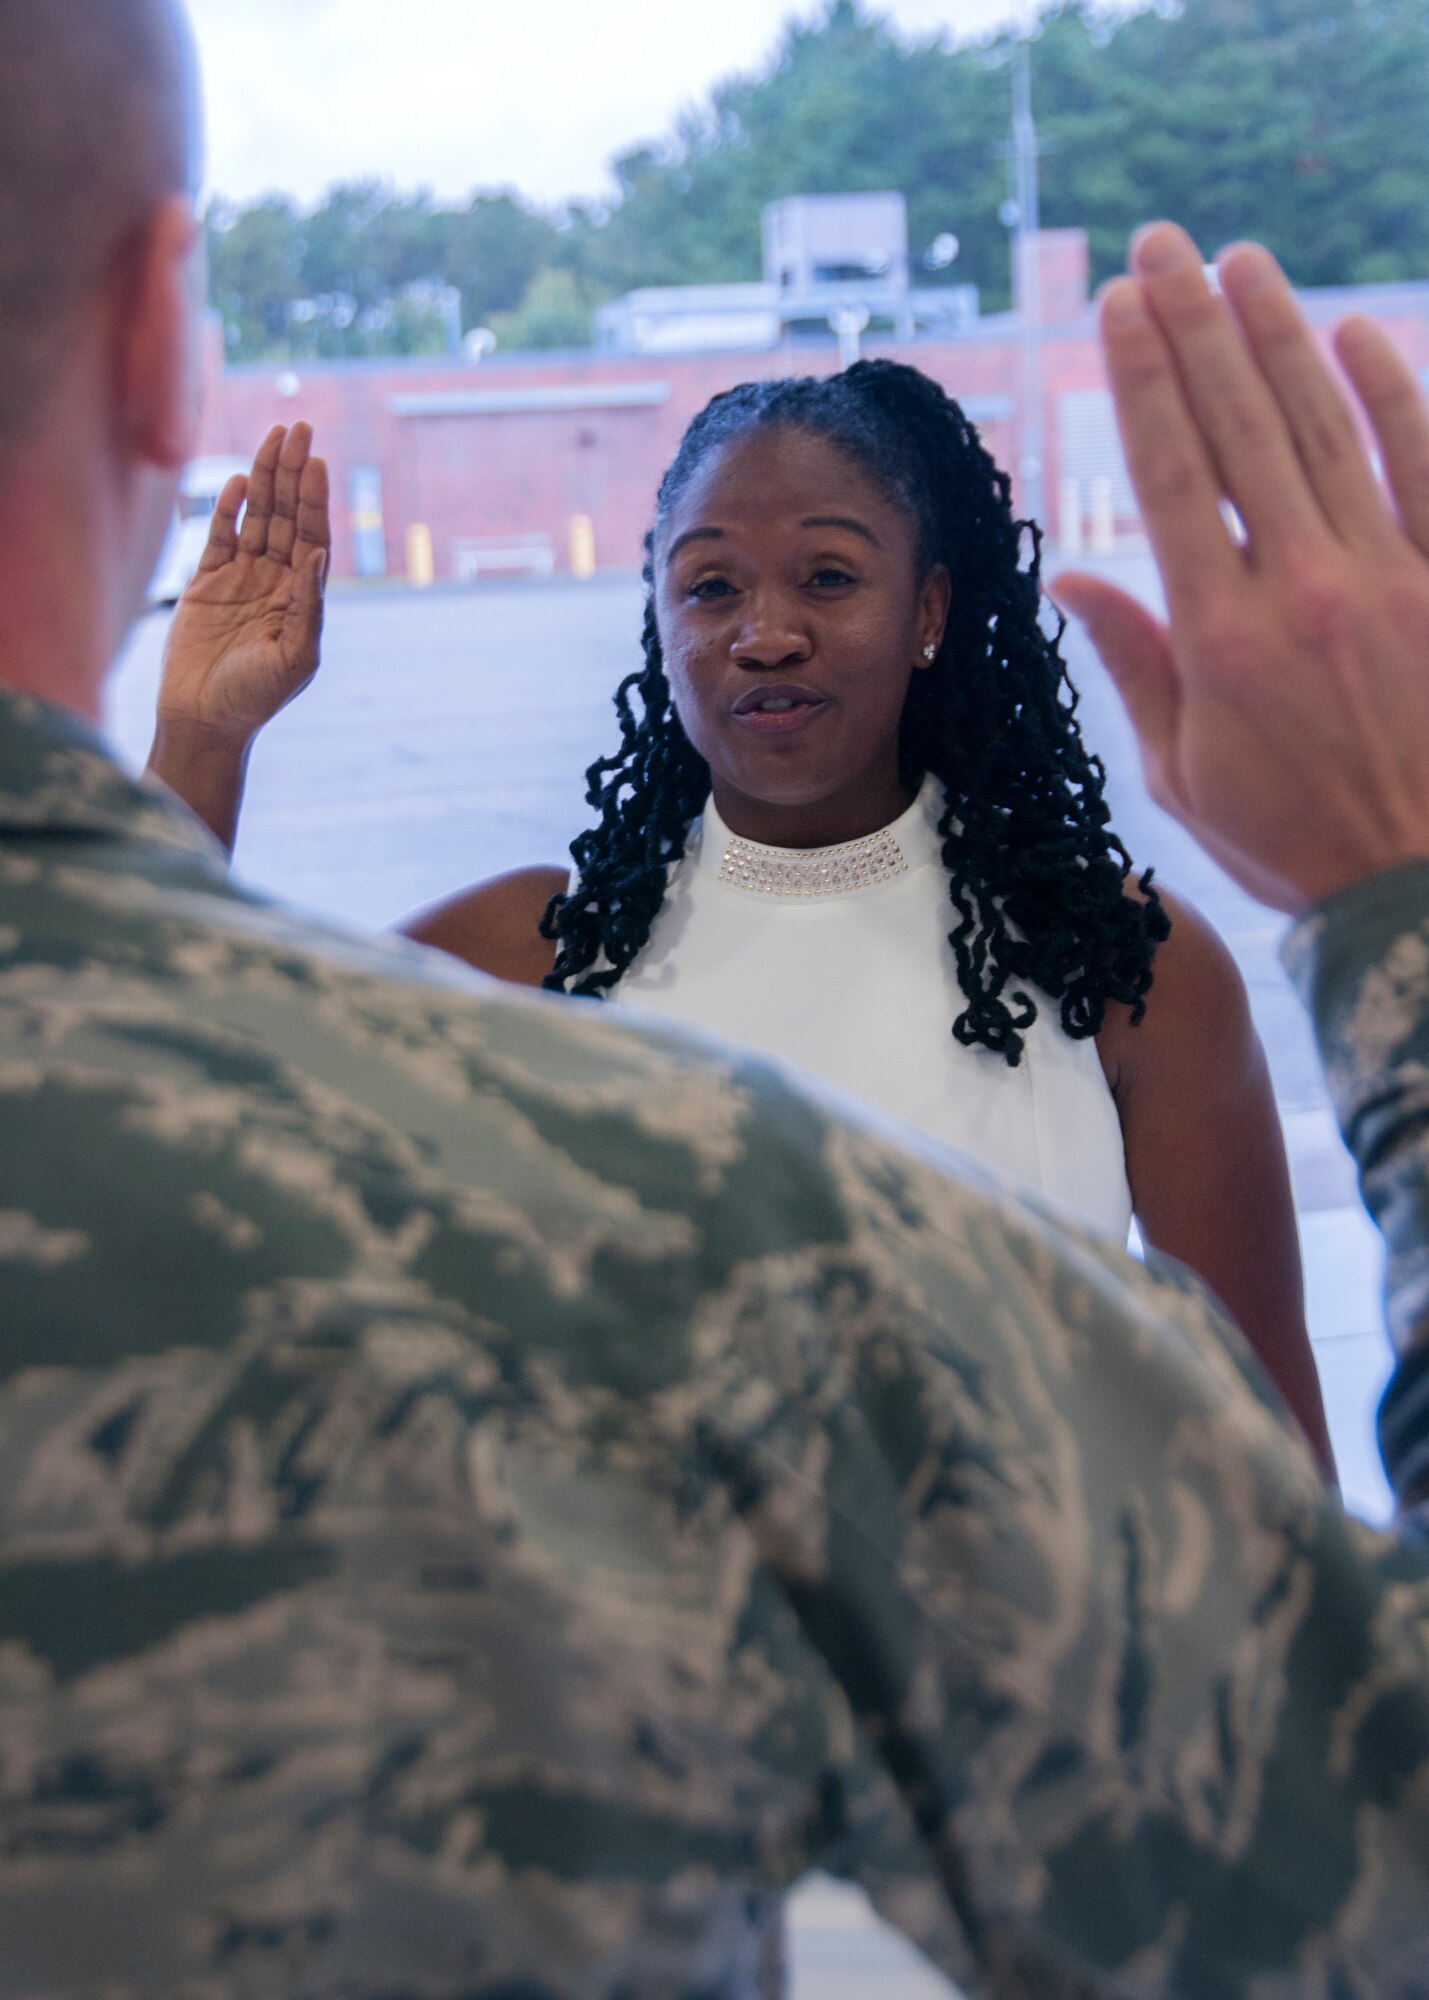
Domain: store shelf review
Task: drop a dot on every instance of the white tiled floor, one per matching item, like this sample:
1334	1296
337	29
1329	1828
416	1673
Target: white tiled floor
837	1949
1344	1276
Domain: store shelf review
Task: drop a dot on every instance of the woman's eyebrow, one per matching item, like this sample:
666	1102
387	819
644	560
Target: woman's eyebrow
693	535
841	521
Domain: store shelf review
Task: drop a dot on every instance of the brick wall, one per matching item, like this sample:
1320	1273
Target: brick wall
487	477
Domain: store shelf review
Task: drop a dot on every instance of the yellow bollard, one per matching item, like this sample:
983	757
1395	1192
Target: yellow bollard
421	568
582	547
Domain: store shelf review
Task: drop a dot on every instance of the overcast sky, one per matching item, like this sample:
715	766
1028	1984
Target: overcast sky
458	94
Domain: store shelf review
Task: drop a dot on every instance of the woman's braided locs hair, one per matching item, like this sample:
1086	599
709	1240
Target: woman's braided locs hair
1035	874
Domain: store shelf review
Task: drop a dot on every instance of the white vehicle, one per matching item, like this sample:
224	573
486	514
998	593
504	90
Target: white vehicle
199	488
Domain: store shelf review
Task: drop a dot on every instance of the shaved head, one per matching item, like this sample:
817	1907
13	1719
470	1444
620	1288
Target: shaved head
97	128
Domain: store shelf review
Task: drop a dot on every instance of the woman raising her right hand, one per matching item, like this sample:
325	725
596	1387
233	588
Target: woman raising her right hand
851	823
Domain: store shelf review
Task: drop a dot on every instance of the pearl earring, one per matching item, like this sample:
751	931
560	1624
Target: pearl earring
930	653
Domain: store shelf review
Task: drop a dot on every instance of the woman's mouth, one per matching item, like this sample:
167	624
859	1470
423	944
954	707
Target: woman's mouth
778	710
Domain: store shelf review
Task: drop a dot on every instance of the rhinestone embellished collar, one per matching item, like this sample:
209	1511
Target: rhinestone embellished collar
813	873
817	871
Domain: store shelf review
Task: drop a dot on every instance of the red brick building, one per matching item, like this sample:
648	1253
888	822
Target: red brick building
498	458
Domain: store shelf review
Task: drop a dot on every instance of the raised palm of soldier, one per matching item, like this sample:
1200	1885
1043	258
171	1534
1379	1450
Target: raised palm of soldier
246	635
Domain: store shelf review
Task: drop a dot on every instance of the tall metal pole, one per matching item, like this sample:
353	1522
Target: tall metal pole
1029	281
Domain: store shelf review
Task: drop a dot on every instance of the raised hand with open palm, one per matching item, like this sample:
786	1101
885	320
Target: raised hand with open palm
247	632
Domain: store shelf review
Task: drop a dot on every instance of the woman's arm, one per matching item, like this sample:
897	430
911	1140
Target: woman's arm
496	925
1205	1156
246	635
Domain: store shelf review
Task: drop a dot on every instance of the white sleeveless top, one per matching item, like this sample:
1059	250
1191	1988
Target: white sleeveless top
837	959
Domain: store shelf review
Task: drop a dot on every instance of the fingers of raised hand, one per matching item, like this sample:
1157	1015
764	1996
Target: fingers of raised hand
1166	453
303	620
262	488
1314	410
1235	410
287	486
222	544
1395	407
314	518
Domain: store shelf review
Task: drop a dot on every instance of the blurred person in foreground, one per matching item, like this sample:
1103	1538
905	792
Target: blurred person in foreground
489	1495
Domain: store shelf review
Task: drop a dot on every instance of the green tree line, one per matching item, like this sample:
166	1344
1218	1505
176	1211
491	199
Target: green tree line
1301	122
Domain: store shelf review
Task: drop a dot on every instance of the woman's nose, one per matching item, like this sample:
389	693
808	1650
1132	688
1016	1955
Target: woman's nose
768	638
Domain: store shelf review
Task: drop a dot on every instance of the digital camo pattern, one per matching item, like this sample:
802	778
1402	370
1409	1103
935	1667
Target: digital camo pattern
488	1495
1361	963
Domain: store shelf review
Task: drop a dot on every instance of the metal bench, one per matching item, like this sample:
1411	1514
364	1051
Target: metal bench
472	556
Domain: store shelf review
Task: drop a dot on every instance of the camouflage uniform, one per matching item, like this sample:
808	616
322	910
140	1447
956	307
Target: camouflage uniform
1362	966
488	1496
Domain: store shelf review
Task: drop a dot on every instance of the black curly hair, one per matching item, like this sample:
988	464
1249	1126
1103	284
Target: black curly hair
1035	874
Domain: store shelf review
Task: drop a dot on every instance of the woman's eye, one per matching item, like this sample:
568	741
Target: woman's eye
709	587
829	578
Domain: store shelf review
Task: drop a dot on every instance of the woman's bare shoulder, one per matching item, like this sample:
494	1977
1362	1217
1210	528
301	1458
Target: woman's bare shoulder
495	925
1197	1005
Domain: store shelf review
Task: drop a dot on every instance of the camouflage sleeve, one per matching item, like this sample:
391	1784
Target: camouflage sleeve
1157	1709
1361	963
487	1497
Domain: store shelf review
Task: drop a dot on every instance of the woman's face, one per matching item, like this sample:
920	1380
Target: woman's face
792	618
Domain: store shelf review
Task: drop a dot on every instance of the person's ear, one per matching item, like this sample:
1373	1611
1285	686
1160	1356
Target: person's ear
160	364
935	599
